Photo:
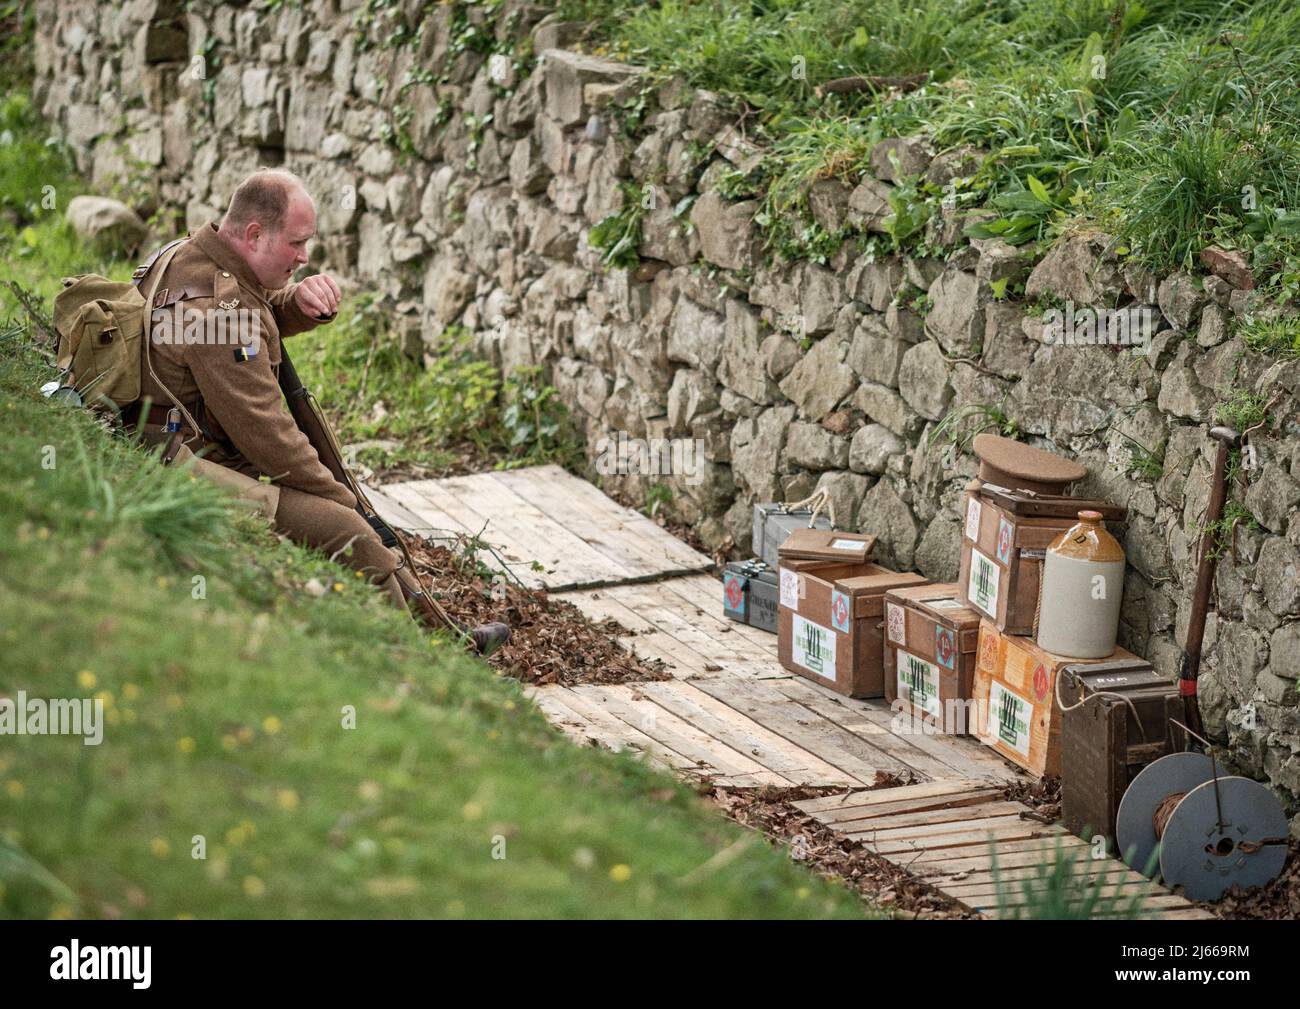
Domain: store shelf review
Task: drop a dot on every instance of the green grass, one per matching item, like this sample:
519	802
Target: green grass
1243	410
449	412
960	425
1146	463
225	701
1279	337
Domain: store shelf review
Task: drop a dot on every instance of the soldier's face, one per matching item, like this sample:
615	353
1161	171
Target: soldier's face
275	256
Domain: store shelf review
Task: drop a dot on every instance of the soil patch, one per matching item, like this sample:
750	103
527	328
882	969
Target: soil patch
551	640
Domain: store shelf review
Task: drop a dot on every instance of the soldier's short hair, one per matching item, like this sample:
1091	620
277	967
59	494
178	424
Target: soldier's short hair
263	197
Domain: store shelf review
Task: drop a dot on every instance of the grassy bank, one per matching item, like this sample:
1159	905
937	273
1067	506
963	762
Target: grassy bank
227	693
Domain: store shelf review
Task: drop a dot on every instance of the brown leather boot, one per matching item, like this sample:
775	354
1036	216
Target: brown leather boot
487	638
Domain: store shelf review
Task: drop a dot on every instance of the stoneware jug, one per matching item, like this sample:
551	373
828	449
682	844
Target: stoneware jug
1083	582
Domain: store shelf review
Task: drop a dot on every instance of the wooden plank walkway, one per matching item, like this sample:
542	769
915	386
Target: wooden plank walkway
731	714
946	833
548	527
719	665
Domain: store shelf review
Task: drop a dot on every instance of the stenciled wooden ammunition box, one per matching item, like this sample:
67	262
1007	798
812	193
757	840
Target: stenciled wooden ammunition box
1122	725
930	643
1015	697
1005	537
829	625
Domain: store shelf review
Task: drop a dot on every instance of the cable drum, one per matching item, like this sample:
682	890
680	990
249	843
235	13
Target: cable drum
1213	841
1205	829
1135	829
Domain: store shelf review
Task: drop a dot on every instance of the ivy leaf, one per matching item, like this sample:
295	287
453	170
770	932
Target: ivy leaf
999	288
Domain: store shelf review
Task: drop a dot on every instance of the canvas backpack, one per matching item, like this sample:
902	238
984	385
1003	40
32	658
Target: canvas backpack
100	324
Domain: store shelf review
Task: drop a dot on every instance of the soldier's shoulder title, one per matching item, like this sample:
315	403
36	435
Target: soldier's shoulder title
226	290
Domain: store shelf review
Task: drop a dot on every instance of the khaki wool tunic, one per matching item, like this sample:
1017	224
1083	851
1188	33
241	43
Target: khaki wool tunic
244	408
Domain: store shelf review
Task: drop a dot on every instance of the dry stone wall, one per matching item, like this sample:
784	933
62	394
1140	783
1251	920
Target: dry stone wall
460	186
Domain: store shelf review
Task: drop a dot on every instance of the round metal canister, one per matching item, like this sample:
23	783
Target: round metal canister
1083	582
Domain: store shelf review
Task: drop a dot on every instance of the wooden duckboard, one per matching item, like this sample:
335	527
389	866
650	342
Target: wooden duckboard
549	528
946	833
730	698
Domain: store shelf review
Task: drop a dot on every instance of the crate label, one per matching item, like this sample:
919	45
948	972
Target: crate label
918	683
1004	541
1033	555
983	588
988	646
789	589
973	519
1041	682
733	593
846	544
1009	718
945	604
945	649
895	624
813	647
841	609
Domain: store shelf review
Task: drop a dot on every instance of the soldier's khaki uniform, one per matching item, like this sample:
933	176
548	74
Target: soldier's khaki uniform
246	428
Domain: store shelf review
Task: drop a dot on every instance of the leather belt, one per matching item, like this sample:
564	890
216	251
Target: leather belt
135	415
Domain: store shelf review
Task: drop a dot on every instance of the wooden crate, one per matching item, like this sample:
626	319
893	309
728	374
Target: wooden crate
930	642
1005	537
829	626
1015	700
1103	747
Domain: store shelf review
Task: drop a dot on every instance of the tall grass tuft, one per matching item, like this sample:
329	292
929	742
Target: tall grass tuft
1058	890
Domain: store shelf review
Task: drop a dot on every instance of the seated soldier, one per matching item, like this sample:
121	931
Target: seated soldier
241	270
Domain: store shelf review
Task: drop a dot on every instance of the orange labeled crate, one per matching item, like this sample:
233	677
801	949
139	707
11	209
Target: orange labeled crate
1015	707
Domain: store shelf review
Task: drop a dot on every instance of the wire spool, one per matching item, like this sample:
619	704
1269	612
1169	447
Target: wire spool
1135	821
1218	835
1208	833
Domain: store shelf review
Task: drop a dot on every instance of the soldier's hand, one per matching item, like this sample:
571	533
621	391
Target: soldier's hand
318	296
